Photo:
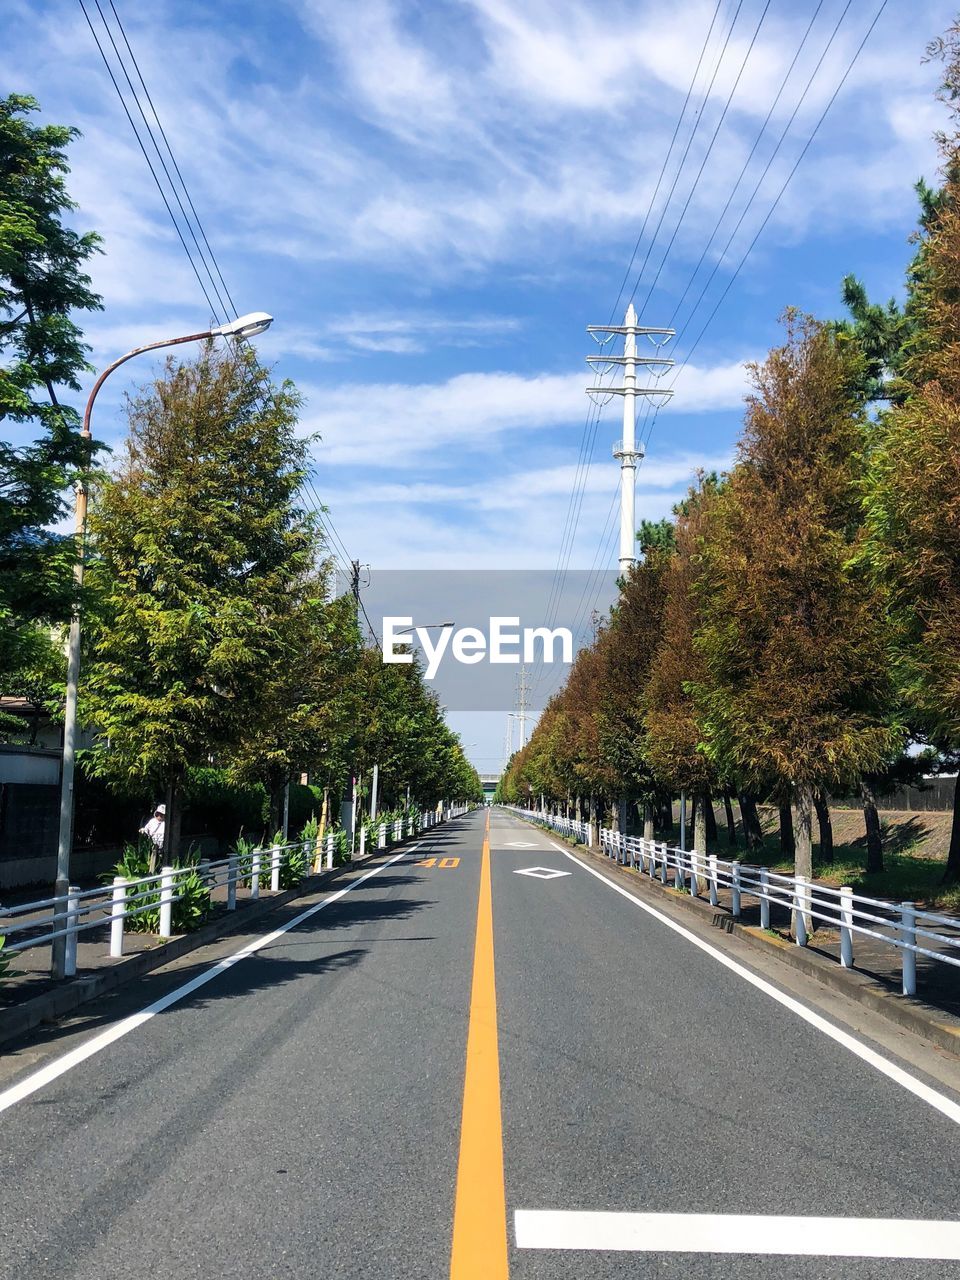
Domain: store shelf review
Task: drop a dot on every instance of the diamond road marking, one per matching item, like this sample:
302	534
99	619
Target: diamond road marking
541	873
519	844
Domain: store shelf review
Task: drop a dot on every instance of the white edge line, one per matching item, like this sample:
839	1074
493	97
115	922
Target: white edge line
939	1101
60	1066
737	1233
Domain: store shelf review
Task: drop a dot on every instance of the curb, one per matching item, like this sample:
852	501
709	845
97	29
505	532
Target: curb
20	1019
906	1012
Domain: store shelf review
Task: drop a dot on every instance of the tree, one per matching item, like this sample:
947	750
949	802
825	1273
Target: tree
400	728
308	700
626	647
674	728
42	281
792	636
198	543
914	503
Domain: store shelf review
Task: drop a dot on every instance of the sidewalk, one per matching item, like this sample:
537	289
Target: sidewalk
29	971
937	984
29	996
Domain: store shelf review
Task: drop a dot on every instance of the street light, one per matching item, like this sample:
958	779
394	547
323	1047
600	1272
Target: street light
247	326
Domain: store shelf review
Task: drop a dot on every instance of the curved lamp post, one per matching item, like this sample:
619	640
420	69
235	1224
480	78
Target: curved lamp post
247	326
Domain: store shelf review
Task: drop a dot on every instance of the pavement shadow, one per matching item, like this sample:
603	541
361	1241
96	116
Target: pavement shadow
267	968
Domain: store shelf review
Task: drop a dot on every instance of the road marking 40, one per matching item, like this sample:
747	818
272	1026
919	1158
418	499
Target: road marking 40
444	863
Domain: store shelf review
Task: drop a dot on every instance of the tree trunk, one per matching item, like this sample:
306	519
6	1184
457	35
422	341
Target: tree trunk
803	843
594	832
822	805
788	845
276	808
752	830
803	864
731	821
871	820
952	871
648	819
711	821
324	812
172	821
701	807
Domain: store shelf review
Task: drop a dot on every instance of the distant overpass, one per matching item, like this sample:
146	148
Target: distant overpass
489	781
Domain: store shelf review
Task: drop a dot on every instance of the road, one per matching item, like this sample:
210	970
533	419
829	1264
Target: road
450	1068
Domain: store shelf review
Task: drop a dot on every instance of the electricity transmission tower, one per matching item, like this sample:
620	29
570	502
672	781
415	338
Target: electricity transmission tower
627	448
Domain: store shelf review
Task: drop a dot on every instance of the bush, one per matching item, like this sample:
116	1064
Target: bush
306	803
341	847
215	806
193	895
309	832
243	848
294	863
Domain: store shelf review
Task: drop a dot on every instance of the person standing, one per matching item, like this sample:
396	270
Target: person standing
153	830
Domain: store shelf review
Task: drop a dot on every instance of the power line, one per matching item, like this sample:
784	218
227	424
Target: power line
153	172
780	194
758	139
752	197
783	187
666	159
686	151
173	158
703	162
594	412
163	163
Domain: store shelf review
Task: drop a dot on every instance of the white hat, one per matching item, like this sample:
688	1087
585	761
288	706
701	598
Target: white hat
161	808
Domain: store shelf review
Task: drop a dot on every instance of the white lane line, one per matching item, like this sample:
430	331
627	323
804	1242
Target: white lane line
60	1066
939	1101
737	1233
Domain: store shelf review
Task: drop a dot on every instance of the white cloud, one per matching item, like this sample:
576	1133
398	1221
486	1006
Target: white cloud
400	422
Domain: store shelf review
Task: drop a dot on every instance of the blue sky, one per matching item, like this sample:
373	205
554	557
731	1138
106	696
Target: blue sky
435	199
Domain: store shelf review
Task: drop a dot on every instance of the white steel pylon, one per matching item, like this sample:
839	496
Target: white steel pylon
627	449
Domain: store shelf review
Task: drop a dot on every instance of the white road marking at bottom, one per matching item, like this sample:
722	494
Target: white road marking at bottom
939	1101
737	1233
60	1066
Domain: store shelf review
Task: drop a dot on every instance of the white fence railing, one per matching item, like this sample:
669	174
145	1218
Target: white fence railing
41	922
897	924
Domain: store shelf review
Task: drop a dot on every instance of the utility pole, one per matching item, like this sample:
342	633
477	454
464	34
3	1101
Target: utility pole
374	786
522	692
348	802
627	448
355	584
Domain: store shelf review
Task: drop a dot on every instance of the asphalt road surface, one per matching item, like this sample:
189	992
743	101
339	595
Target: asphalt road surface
477	1058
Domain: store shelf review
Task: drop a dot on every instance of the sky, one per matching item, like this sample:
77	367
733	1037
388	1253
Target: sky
435	199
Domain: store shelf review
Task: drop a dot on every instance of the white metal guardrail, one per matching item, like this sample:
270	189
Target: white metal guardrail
912	932
39	923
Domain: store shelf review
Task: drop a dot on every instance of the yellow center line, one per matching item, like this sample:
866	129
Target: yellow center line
480	1210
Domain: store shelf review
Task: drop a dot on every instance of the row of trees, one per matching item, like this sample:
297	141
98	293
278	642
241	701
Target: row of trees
797	626
210	636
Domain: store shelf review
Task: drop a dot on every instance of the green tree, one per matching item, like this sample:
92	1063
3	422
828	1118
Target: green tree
914	497
42	282
307	701
626	647
198	544
796	690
